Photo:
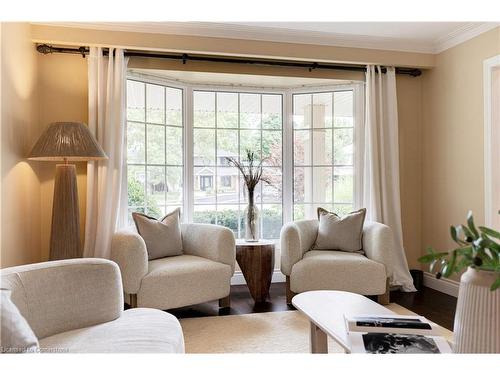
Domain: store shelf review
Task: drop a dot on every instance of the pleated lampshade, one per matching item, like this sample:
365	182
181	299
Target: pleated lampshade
67	141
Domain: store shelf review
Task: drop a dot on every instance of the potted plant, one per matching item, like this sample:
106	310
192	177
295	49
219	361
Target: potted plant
251	170
476	327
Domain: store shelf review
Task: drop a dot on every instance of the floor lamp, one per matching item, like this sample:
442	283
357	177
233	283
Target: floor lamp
66	142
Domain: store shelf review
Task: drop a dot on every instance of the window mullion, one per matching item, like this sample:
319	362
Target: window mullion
188	170
287	158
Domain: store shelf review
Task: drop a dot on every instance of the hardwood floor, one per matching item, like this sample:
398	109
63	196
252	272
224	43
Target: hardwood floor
434	305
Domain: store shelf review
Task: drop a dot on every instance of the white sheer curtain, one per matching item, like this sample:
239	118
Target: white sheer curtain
107	90
380	164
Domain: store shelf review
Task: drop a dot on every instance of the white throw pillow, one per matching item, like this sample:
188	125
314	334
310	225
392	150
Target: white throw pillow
340	233
16	334
162	237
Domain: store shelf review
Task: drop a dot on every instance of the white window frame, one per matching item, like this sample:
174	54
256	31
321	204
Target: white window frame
287	133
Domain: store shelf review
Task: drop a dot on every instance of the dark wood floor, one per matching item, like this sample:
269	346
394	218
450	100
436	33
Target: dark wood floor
436	306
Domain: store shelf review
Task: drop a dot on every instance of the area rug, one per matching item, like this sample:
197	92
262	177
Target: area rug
272	332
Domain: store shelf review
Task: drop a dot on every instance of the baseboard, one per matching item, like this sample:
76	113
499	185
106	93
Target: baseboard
443	285
238	278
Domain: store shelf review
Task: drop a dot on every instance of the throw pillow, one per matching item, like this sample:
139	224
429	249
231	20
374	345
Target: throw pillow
16	334
340	233
162	237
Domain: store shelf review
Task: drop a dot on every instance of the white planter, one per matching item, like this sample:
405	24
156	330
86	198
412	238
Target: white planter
477	319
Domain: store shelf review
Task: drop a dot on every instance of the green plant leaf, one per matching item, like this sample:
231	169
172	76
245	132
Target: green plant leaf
490	232
449	268
496	284
470	223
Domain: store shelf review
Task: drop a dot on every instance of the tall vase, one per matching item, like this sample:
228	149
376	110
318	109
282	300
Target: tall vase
251	214
477	319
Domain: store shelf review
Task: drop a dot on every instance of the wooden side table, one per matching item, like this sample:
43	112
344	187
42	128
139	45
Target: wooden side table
256	260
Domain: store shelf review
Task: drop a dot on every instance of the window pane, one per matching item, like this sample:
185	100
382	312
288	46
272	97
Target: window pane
174	106
343	209
271	111
227	110
156	144
136	177
228	217
136	142
271	220
155	103
174	185
204	147
302	147
204	109
344	146
344	189
135	101
155	190
272	192
302	177
322	146
343	109
204	185
250	111
302	111
227	146
249	140
321	188
271	147
309	211
298	212
205	214
322	110
174	146
227	185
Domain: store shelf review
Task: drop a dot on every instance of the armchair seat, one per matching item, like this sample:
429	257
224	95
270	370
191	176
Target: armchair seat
346	271
183	280
137	331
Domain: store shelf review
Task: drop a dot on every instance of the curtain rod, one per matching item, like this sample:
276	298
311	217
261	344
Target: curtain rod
184	57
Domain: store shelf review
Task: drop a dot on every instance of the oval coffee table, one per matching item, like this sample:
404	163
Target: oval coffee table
325	310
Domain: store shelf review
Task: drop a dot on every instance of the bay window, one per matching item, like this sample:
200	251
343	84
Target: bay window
179	138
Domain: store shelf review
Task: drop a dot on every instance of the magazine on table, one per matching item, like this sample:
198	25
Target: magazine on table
394	334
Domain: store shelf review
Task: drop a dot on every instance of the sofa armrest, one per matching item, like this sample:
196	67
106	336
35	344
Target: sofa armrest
128	250
209	241
296	238
63	295
378	244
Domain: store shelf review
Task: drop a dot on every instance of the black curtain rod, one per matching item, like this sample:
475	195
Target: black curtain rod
47	49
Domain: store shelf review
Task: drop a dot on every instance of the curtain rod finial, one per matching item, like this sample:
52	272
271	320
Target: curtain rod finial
44	48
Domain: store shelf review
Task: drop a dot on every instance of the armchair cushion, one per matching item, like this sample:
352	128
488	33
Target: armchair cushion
136	331
162	237
322	269
16	336
336	233
183	280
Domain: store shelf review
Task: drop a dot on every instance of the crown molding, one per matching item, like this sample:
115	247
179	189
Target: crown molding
273	34
462	35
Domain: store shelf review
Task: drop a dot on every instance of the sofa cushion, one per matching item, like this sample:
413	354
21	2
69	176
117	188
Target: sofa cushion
337	270
162	237
183	280
136	331
16	336
340	233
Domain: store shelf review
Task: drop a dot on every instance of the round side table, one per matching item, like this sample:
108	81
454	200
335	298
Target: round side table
256	260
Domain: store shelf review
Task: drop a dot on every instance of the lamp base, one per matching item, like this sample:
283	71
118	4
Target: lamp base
65	233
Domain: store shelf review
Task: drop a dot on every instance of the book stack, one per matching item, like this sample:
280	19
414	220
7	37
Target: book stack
394	334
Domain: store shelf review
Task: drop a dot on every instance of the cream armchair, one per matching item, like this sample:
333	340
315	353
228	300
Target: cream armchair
307	269
201	274
76	306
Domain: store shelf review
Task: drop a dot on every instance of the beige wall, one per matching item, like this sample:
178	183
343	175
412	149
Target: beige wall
20	188
452	148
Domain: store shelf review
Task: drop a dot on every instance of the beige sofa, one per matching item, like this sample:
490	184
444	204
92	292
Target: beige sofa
307	269
201	274
76	306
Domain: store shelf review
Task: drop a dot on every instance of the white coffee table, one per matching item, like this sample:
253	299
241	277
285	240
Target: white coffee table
325	310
